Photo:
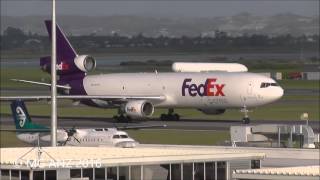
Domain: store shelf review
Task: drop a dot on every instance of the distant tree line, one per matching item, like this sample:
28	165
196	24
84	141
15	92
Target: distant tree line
15	39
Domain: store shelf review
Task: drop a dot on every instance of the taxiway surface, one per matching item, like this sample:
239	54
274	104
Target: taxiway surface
184	124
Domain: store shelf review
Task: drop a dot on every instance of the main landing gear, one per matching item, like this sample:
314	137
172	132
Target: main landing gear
122	118
171	116
246	119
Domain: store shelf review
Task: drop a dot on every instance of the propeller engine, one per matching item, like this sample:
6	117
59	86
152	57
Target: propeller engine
70	134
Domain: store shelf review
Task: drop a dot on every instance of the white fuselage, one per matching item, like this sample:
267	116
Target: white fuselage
225	89
86	137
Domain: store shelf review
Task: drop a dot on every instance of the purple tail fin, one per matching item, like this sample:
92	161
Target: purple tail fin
65	51
66	55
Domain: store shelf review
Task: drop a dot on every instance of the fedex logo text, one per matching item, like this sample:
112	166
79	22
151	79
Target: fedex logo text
131	109
62	66
209	88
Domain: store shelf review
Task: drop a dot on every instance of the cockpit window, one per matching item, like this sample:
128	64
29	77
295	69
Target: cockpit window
264	84
123	136
116	137
98	129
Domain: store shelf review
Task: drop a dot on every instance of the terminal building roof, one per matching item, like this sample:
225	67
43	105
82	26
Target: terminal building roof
300	172
112	156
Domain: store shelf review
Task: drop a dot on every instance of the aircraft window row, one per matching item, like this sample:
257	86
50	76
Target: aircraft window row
123	136
119	136
86	140
32	137
264	85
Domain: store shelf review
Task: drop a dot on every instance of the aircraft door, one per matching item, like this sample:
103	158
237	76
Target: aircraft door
250	97
250	88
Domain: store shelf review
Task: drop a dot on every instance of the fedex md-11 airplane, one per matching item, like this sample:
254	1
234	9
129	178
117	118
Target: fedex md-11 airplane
137	94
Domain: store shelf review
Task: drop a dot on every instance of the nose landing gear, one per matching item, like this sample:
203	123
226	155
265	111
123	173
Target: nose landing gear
171	116
246	119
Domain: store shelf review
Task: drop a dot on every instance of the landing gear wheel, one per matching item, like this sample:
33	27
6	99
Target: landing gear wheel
169	117
176	117
122	118
246	120
129	119
163	117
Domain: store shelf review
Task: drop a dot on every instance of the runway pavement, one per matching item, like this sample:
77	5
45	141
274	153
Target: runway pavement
184	124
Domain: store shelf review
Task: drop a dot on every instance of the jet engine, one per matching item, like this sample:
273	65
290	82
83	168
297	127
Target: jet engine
139	108
85	63
212	111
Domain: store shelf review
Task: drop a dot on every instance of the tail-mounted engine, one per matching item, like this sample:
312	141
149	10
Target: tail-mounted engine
85	63
81	63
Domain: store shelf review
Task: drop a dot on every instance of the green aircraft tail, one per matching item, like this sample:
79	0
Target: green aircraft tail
21	116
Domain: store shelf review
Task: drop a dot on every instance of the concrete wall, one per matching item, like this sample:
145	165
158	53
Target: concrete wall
274	75
305	75
311	75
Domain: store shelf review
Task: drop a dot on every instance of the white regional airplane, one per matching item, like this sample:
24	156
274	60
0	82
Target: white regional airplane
30	133
137	94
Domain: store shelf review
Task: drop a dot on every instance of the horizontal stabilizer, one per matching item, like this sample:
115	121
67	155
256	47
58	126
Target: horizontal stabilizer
40	83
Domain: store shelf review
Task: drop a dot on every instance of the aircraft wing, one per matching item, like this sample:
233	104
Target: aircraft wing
83	97
78	97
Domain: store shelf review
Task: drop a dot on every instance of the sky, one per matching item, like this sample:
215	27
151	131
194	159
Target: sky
162	8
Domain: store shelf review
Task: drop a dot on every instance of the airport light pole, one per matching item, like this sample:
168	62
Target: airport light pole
53	78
